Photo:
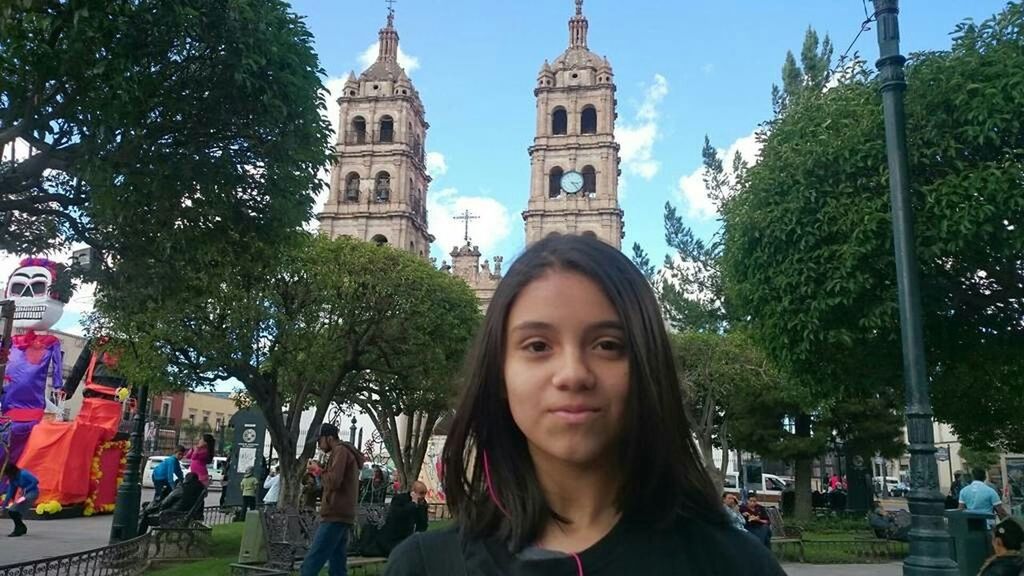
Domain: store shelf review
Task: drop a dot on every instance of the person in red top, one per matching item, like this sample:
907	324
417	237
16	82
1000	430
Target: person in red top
758	523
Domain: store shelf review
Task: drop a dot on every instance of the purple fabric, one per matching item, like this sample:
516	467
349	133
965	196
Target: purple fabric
25	387
25	382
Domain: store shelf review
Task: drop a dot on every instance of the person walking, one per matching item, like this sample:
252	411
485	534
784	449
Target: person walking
339	480
16	506
249	486
273	487
168	473
980	497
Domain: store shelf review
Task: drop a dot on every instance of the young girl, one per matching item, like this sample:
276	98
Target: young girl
24	483
570	452
200	456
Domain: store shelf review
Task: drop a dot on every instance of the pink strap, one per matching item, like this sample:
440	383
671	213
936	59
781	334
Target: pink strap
579	564
490	486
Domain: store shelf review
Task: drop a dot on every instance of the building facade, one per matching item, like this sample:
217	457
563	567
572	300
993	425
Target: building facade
379	180
574	175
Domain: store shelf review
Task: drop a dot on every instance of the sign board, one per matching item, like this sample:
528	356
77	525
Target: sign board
250	430
942	453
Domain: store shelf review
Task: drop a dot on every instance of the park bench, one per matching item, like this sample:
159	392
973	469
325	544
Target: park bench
785	537
288	534
181	534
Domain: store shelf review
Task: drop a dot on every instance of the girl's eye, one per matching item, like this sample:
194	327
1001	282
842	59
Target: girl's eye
610	346
536	346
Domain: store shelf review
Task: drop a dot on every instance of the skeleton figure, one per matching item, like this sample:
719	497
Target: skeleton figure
39	303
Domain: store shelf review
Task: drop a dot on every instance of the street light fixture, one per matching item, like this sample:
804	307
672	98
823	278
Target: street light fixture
930	552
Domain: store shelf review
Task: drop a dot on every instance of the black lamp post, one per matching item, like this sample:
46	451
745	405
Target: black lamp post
929	541
125	524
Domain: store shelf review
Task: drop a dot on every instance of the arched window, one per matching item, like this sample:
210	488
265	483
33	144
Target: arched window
352	187
588	120
379	240
559	122
387	129
589	181
555	182
358	130
382	187
590	234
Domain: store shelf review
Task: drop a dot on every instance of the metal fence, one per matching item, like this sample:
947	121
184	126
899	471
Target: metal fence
128	558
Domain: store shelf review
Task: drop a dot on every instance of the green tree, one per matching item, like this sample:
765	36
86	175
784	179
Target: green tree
298	330
982	456
797	81
808	255
167	132
715	369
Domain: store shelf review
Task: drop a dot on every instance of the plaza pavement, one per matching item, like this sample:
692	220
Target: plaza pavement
48	538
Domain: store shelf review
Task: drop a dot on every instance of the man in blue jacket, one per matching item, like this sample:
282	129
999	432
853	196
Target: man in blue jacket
168	473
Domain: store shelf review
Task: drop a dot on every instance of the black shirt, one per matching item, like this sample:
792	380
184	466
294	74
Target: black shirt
404	516
690	547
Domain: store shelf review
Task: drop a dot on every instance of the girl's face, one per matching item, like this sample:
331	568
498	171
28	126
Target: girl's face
566	369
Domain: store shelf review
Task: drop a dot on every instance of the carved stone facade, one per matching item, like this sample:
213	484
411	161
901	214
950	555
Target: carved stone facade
480	277
378	186
575	143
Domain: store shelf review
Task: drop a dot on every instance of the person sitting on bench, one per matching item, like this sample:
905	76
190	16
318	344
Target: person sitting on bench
183	498
407	513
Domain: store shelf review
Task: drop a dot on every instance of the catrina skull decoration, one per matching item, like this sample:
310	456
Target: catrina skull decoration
39	288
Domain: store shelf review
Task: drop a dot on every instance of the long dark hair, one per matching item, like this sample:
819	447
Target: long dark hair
486	451
211	447
10	470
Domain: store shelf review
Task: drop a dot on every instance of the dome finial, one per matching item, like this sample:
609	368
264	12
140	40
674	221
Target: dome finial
389	37
578	28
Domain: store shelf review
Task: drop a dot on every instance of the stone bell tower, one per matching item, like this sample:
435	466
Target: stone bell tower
378	186
574	159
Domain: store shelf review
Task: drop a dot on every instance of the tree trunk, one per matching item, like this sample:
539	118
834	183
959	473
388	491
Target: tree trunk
802	505
407	450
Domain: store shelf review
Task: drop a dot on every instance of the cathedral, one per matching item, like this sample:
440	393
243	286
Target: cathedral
379	182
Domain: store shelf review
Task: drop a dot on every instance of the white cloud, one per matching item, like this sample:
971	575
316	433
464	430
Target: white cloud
637	136
691	186
708	68
436	164
492	227
369	56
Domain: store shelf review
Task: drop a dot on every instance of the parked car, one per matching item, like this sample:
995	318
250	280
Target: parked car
890	484
769	490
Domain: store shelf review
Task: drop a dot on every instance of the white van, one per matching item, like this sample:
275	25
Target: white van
769	490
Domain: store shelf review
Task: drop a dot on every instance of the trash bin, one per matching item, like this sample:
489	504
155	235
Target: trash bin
972	541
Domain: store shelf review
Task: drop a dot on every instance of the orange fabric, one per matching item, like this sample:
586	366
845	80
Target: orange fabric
102	413
110	468
60	455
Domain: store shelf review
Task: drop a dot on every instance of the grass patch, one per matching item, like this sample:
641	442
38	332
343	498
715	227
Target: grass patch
841	544
224	551
227	538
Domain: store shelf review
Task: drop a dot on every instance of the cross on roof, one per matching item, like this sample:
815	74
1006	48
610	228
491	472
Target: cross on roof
466	217
391	6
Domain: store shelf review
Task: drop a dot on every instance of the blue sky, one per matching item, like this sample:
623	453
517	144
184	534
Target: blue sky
683	70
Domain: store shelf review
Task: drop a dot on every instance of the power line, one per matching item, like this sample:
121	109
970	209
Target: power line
869	17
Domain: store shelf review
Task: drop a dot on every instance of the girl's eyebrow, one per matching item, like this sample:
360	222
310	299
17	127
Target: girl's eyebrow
541	326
